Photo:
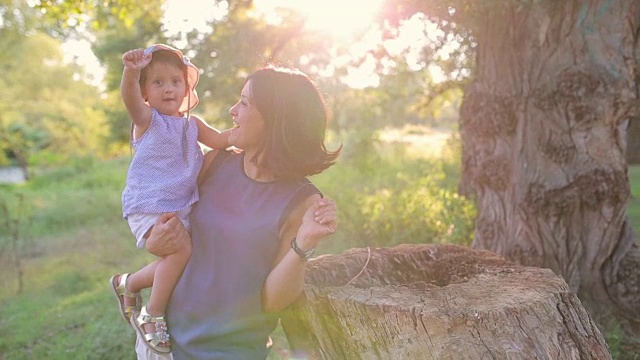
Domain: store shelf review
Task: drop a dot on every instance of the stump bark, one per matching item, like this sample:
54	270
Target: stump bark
437	302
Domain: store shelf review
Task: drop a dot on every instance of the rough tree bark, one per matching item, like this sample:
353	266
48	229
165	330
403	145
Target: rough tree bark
438	302
543	127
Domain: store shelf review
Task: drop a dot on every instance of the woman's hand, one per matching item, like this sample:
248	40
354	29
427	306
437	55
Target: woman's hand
320	220
167	236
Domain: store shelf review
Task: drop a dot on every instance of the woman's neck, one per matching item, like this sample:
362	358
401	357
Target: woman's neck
254	171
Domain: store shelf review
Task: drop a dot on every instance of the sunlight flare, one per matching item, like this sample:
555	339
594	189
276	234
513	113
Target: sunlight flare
337	18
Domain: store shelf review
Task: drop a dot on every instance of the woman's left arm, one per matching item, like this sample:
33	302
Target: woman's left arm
315	218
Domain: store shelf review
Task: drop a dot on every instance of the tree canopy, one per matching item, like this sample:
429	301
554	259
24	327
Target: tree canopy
46	108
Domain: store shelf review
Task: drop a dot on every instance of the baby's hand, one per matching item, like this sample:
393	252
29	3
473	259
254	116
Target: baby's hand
136	59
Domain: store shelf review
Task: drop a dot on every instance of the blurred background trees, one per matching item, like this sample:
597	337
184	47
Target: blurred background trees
47	111
238	40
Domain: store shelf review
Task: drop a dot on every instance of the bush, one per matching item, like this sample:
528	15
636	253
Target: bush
404	199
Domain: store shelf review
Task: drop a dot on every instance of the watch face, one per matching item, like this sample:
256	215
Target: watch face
309	253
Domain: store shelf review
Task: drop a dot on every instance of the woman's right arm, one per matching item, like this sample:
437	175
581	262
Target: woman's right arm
167	235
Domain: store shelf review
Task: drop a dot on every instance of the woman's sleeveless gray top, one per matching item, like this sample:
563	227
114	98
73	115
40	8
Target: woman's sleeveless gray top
215	311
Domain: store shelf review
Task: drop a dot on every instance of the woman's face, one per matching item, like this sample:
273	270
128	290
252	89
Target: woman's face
248	129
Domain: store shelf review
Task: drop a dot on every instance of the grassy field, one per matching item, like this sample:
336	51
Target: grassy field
72	239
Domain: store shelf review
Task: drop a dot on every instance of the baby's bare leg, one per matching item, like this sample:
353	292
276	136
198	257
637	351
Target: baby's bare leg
142	278
162	276
167	272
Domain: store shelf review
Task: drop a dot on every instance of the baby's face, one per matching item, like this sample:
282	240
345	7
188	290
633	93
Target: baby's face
165	88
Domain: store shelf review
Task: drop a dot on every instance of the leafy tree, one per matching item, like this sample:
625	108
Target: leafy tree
238	44
45	108
112	27
544	126
137	29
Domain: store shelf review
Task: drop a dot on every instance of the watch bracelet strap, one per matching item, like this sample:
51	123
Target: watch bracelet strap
303	254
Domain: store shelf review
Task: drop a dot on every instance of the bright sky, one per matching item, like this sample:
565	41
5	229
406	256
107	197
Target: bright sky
79	52
338	18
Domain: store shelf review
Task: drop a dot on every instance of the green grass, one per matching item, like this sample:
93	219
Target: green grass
72	239
65	310
77	240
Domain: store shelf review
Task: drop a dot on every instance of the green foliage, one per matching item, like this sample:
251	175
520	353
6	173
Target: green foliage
84	193
63	16
136	30
387	197
240	43
44	108
613	332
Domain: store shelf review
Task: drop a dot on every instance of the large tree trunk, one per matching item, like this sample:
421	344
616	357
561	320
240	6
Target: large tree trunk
438	302
543	127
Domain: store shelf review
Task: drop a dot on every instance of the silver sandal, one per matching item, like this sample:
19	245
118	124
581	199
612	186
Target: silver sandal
154	339
120	291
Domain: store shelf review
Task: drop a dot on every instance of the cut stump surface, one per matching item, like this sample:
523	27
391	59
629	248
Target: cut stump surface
437	302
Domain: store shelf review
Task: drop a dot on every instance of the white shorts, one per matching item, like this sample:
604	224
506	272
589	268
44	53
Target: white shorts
141	223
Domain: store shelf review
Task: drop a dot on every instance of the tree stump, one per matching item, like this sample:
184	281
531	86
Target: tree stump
437	302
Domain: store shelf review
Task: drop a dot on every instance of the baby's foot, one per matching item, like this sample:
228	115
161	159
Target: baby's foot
153	329
128	302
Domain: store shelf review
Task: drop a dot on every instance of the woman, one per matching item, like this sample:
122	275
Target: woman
257	222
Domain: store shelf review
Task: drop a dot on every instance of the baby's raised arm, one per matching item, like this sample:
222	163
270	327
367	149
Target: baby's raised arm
134	61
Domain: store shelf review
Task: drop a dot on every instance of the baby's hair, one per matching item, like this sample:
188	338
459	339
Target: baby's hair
164	56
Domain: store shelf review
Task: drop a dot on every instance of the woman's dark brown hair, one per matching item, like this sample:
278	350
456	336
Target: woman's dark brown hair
295	122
